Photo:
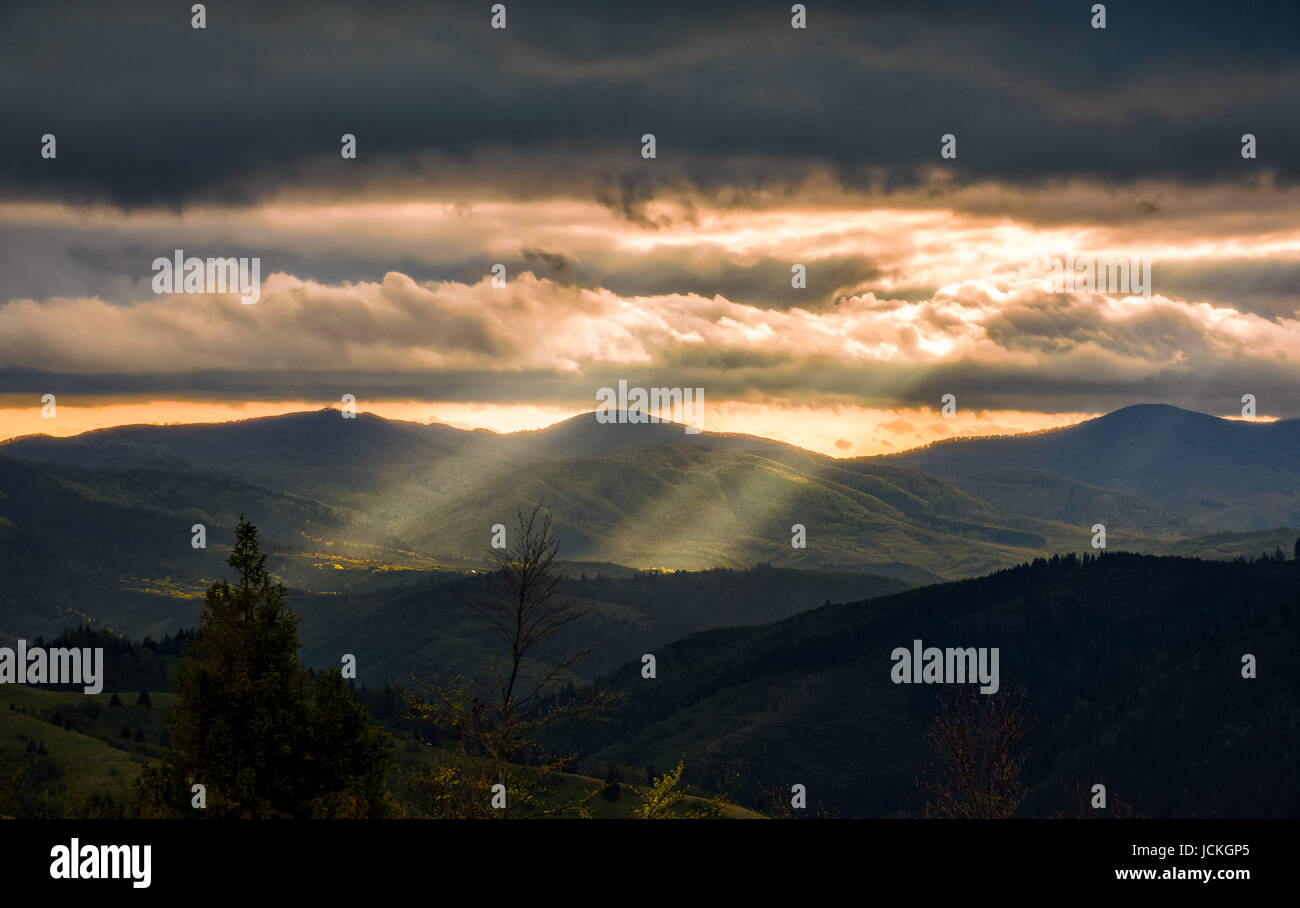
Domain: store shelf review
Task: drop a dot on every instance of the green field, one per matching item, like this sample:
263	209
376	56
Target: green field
94	749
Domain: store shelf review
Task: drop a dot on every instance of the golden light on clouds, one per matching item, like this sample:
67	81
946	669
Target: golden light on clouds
694	292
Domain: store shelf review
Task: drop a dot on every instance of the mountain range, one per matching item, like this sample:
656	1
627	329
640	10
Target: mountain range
1187	469
769	655
348	506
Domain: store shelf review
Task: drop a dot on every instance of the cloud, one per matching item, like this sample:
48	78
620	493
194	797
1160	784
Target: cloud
556	103
1237	246
536	339
776	147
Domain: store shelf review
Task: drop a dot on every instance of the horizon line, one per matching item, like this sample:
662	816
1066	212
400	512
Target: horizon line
654	420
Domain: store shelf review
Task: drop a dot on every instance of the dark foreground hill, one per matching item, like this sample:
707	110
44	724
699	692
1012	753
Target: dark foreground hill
1130	665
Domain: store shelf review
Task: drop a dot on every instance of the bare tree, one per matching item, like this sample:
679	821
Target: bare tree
513	713
973	770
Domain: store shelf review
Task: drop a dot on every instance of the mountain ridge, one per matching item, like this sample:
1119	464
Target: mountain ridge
1213	473
652	495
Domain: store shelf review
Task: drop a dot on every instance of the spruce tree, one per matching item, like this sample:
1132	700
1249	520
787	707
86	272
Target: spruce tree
249	724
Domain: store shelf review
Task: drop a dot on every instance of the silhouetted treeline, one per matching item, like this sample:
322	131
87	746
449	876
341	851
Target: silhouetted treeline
127	665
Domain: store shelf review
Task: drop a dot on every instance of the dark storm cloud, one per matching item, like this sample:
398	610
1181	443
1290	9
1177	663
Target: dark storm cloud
763	378
764	282
71	257
553	265
150	111
1269	288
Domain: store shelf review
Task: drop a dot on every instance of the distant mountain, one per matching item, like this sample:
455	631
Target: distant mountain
369	468
644	495
97	528
582	435
680	505
309	452
78	544
1130	665
380	471
1208	474
651	496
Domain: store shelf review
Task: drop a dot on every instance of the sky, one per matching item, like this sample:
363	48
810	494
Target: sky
775	147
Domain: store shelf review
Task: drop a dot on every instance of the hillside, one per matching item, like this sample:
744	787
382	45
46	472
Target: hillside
424	627
90	747
681	506
96	528
87	761
80	545
1130	666
1215	474
641	495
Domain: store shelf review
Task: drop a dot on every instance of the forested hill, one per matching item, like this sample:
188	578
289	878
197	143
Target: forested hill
1214	474
1131	667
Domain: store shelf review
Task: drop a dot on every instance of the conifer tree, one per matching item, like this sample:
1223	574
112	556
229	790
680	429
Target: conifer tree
251	726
